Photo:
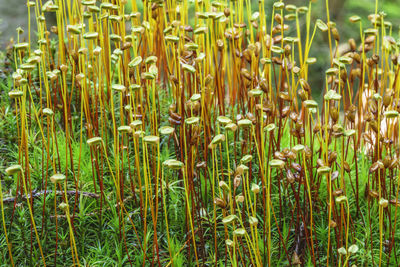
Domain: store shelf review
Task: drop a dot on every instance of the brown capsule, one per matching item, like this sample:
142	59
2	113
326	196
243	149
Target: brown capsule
294	132
373	105
268	41
188	28
285	111
394	59
296	70
317	128
367	48
386	141
278	18
238	35
236	181
337	192
290	176
332	224
370	62
89	126
343	75
334	175
346	167
285	151
351	113
357	57
176	23
257	49
228	35
275	30
239	170
375	58
247	55
367	138
187	54
258	107
291	155
288	50
63	68
74	55
337	132
301	134
296	166
240	25
54	29
302	94
154	6
220	44
191	106
295	260
239	117
269	108
307	152
172	108
247	84
277	39
387	161
335	34
374	125
246	74
289	65
352	44
264	85
333	112
299	125
175	116
320	163
304	84
355	73
279	155
239	198
174	79
251	117
126	45
174	122
390	39
332	156
372	193
227	12
194	138
276	61
376	166
387	98
336	81
220	203
279	27
368	116
201	165
209	79
293	116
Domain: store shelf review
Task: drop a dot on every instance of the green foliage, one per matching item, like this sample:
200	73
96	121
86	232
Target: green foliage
255	168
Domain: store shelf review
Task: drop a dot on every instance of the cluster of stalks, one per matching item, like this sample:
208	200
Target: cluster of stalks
222	91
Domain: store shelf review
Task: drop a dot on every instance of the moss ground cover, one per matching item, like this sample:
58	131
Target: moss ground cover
187	133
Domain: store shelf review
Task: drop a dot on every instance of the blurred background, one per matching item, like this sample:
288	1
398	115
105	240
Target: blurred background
13	14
